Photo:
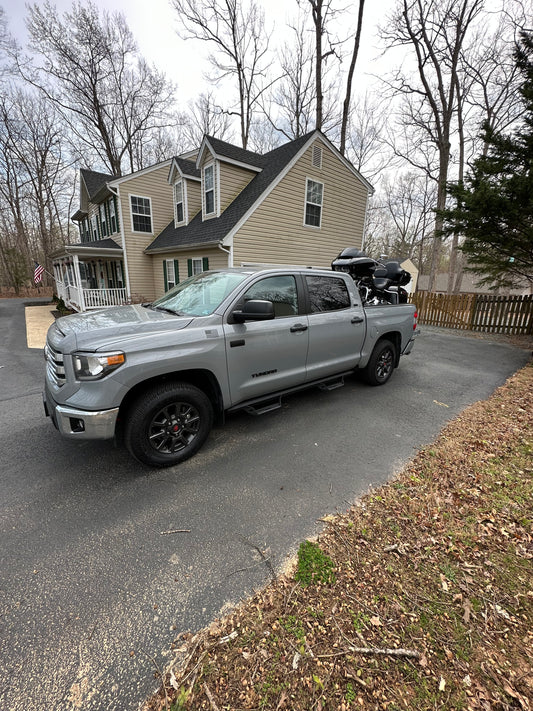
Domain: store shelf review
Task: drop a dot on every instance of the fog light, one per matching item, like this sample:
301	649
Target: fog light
77	425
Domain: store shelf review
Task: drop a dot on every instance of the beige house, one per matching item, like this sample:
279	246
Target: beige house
219	206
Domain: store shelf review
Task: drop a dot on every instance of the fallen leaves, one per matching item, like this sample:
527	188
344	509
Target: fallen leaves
431	606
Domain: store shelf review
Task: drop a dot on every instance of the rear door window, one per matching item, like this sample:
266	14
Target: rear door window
327	293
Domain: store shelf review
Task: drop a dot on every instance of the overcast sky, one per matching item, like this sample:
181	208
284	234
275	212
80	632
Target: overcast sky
154	24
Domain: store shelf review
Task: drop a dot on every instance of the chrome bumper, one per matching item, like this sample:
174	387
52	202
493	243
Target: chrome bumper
81	424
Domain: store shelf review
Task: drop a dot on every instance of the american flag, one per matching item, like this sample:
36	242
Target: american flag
38	273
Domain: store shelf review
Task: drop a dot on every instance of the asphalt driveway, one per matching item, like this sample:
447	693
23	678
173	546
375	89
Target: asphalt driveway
95	580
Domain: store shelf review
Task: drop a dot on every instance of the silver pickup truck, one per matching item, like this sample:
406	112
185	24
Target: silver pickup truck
157	375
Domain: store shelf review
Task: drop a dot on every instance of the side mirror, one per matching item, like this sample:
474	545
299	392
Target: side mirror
254	310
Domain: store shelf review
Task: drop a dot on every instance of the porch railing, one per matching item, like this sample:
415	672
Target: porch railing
85	299
100	298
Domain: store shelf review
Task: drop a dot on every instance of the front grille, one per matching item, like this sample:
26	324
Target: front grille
55	366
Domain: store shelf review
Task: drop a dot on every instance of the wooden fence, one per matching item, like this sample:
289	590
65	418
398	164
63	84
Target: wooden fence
476	312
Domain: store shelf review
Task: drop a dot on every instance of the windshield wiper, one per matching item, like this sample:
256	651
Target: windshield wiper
164	308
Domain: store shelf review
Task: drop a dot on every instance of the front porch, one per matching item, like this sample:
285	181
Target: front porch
88	279
81	299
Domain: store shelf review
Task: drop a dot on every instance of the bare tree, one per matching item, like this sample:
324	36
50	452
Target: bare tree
349	79
292	100
366	146
324	16
321	12
435	32
487	94
400	220
89	69
35	178
241	48
205	116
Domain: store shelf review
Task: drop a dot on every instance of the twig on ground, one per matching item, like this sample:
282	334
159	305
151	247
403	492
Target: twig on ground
263	556
210	697
176	530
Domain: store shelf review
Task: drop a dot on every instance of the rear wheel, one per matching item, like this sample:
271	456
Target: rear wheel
381	364
168	424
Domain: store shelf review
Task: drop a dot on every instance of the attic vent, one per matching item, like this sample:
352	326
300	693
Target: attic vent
317	157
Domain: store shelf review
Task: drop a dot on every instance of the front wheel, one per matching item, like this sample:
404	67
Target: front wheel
168	424
381	363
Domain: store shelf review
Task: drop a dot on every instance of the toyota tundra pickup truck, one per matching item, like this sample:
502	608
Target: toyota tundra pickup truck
157	375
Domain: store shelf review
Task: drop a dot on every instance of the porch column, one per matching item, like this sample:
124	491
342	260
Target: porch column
77	278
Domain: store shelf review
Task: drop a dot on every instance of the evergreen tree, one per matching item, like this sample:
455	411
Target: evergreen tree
494	206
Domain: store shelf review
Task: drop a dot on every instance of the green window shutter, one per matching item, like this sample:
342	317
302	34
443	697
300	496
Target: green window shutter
165	274
116	212
189	267
176	271
205	263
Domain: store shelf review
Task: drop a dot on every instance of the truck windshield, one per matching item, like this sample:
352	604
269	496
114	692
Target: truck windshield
199	295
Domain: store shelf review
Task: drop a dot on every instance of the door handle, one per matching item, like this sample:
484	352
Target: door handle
358	319
298	327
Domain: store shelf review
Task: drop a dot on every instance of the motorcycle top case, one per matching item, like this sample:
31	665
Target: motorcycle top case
355	262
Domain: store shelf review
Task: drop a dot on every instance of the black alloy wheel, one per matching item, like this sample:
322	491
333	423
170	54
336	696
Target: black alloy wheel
381	364
168	424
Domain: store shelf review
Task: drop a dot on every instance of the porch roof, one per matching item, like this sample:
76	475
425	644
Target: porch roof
97	248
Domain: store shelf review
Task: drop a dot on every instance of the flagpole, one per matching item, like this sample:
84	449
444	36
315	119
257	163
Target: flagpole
53	277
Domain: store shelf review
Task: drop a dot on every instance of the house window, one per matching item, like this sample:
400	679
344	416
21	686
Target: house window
171	273
94	227
178	202
197	266
112	216
209	190
103	220
141	214
313	203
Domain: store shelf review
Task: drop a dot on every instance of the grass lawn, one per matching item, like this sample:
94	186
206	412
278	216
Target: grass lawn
419	597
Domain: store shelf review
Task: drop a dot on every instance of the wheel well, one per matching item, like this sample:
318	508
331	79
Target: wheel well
396	339
202	379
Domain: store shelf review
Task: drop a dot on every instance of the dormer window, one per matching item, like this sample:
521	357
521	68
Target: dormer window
209	189
179	213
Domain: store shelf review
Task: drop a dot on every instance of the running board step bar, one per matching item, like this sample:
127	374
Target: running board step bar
332	384
264	407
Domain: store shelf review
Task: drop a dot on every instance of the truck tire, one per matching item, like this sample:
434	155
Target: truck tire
168	424
381	364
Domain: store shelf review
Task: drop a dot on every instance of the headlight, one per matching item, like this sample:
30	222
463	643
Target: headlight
93	366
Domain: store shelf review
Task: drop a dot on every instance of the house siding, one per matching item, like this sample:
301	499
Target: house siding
194	198
276	234
232	181
217	260
154	185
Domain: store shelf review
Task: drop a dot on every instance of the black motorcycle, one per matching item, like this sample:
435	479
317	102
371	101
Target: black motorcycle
378	282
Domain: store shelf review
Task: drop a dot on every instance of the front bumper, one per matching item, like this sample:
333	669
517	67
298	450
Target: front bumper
81	424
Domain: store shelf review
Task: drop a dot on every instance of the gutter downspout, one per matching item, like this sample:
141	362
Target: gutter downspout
124	252
229	252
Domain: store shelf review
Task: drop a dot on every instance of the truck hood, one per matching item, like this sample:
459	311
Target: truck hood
99	329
